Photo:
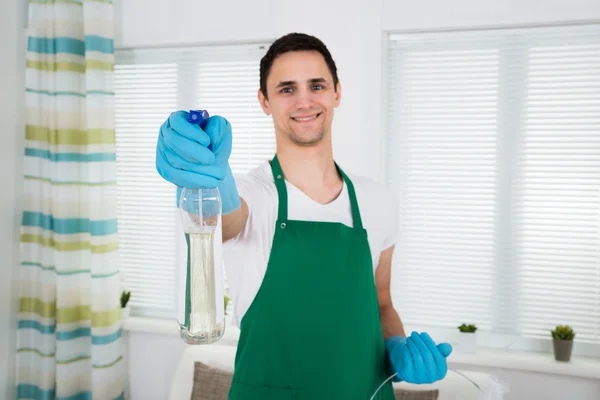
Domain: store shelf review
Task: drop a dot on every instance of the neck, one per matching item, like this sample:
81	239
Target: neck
311	169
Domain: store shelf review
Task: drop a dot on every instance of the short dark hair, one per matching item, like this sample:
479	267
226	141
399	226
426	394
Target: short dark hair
294	42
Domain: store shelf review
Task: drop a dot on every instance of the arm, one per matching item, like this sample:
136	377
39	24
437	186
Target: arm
415	359
235	221
390	320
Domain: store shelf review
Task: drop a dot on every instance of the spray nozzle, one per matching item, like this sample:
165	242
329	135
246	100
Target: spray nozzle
199	117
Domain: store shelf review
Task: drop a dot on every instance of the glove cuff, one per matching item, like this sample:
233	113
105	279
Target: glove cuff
390	345
230	199
394	341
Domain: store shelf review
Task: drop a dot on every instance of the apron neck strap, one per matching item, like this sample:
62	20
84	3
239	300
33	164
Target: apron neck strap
283	200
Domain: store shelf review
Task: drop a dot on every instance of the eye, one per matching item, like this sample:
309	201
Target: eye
317	87
286	90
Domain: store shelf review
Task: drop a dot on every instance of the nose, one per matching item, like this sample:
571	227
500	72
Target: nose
304	98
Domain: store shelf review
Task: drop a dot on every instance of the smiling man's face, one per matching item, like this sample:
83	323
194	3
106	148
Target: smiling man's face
301	97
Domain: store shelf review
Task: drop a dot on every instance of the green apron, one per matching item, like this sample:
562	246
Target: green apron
313	330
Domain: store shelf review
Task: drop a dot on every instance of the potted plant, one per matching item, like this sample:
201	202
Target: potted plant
125	296
562	342
467	338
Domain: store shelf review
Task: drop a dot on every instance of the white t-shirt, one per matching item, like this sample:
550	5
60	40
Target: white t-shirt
246	256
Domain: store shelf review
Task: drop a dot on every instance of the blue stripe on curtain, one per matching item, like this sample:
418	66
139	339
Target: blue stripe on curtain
69	226
70	45
26	391
70	157
30	324
78	396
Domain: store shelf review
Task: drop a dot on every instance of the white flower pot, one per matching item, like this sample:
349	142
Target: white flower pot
467	342
125	313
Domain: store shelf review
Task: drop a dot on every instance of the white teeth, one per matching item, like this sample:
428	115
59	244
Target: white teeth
305	119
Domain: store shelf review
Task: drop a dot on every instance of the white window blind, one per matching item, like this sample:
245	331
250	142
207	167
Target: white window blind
149	85
494	155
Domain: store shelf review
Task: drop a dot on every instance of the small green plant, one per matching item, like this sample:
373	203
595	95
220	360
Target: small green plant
563	332
470	328
226	302
125	298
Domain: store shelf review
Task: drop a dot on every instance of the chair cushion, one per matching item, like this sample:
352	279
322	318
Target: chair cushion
212	383
406	394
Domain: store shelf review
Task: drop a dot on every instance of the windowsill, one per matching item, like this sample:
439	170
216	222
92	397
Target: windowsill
579	367
151	325
169	327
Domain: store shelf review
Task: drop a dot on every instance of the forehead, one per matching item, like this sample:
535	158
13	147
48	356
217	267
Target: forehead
299	66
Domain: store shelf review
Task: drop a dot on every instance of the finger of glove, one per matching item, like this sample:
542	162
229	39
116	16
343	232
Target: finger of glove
438	356
205	167
219	131
192	180
185	148
189	180
427	354
420	368
406	370
212	171
445	349
178	122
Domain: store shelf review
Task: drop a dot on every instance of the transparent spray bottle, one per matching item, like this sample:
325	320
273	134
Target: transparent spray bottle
201	308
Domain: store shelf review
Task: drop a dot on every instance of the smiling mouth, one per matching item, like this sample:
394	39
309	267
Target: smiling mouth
306	119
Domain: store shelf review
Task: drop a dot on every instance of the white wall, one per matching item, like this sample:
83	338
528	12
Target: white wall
12	83
353	31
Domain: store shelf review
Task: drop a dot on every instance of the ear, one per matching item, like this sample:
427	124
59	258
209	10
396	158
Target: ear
338	94
264	103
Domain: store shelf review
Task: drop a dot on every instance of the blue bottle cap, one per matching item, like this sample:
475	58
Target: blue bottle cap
199	117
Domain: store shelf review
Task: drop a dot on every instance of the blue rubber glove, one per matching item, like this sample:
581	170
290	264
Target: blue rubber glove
417	359
190	157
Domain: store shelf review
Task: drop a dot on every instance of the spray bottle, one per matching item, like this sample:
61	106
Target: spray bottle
201	308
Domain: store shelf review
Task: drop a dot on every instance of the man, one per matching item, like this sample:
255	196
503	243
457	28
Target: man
308	248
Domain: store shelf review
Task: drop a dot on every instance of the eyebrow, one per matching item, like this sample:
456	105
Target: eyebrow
292	83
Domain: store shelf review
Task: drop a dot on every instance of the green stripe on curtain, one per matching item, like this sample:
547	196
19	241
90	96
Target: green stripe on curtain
72	137
68	183
68	246
68	315
70	66
48	93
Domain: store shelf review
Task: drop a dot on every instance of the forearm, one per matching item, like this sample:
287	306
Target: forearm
234	222
391	324
390	320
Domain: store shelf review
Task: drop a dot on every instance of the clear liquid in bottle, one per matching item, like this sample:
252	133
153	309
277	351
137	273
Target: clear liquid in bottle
202	319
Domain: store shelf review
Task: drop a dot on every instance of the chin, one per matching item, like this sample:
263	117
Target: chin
307	140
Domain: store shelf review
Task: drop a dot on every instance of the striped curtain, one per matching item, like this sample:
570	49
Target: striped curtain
69	327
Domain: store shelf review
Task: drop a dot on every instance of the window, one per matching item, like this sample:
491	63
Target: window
149	85
494	155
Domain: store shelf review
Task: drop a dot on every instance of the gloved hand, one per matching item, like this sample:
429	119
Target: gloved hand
190	157
417	359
